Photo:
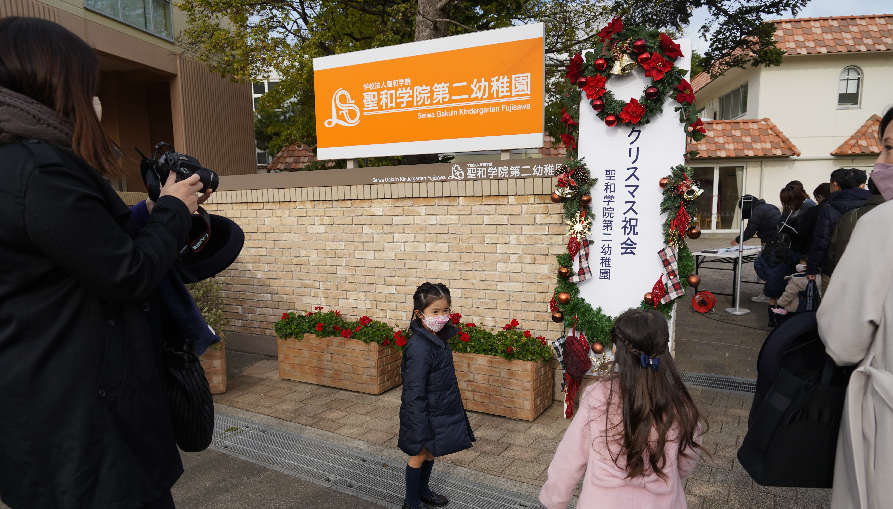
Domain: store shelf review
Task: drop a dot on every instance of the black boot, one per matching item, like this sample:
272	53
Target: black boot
772	320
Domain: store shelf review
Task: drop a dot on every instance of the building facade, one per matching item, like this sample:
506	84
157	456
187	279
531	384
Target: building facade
149	91
800	121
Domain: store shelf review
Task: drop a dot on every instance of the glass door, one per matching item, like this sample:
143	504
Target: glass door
706	211
718	204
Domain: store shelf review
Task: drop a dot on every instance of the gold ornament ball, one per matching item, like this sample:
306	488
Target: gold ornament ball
556	198
564	298
694	280
557	317
564	272
664	182
586	199
693	232
598	348
649	299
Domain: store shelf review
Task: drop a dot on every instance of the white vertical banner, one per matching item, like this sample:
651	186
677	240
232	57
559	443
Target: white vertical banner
627	228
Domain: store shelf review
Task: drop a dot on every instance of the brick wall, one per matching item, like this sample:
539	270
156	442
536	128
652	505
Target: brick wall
364	250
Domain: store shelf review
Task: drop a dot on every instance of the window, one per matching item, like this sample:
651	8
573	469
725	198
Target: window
849	86
153	16
734	104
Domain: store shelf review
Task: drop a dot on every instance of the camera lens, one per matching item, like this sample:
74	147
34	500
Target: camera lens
209	178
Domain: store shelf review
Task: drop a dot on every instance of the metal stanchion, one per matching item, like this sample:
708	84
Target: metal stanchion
745	205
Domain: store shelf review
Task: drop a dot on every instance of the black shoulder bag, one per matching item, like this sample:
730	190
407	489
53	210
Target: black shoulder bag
189	395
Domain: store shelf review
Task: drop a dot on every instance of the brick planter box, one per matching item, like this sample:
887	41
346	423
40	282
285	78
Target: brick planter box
337	362
214	363
515	389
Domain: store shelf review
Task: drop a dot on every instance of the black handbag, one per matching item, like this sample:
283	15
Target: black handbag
189	395
809	298
791	439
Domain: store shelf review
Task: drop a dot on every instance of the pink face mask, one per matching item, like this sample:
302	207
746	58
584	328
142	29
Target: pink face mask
882	176
435	323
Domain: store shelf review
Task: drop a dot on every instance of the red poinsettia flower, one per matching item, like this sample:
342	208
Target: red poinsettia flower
594	87
615	26
464	337
569	141
656	67
686	94
455	317
345	333
670	48
320	327
285	316
697	126
574	68
399	339
364	321
565	180
527	334
567	119
632	112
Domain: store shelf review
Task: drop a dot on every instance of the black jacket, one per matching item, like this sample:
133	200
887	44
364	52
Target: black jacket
838	204
431	412
84	421
763	222
806	228
773	272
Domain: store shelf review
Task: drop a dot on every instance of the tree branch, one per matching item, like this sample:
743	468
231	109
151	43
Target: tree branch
448	21
443	4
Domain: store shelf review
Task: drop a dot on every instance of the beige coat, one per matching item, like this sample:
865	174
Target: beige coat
856	325
791	298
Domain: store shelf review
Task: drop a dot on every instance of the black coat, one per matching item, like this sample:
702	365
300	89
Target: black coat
431	413
84	421
763	222
838	204
773	272
805	228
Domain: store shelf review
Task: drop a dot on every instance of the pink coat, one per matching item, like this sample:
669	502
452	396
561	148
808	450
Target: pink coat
605	485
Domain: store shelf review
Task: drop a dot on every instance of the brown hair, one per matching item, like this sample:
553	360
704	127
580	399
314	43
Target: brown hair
48	63
792	198
651	400
823	190
424	296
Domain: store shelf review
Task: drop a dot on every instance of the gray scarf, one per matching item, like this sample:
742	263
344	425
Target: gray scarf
23	118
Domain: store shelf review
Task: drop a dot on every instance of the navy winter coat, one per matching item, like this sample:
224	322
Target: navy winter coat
839	203
763	222
774	272
431	413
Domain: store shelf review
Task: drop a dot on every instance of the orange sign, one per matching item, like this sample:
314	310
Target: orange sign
481	91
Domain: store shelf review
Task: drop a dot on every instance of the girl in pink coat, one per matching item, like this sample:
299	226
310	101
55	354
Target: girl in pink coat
636	435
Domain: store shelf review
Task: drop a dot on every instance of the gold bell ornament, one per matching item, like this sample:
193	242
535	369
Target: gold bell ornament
692	191
623	63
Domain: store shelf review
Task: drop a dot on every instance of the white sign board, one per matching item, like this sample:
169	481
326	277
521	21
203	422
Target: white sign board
627	228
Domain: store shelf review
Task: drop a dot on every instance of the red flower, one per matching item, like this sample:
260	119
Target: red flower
542	340
594	87
567	119
345	333
509	350
670	48
318	308
399	339
565	180
569	141
358	328
686	95
285	316
612	28
509	326
455	317
337	313
574	69
386	343
697	126
336	327
364	321
320	327
470	325
632	112
656	67
464	337
527	334
309	313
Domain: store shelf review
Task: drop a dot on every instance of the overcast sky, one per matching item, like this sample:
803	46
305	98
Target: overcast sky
814	9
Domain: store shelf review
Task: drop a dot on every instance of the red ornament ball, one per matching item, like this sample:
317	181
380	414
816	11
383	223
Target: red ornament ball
598	348
639	45
643	57
600	63
556	198
610	121
694	280
598	104
557	317
563	298
649	299
581	82
664	182
651	92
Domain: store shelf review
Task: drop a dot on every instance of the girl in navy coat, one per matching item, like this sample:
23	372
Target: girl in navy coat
432	418
774	264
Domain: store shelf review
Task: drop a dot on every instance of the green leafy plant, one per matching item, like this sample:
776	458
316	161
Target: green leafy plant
510	343
208	295
331	323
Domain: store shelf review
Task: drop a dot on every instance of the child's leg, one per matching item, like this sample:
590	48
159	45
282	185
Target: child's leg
772	301
427	466
413	477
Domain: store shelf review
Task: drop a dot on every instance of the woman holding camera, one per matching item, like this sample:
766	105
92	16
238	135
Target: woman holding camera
84	419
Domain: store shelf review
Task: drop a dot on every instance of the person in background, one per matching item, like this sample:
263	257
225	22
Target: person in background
763	222
846	194
841	236
789	302
775	262
803	243
792	202
636	434
856	325
807	203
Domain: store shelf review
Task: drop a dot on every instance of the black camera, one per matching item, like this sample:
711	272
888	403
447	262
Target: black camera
155	170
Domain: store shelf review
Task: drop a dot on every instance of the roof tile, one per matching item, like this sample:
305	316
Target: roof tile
847	34
743	138
864	141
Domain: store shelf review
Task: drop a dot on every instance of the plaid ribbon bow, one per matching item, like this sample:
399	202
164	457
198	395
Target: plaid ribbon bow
584	272
671	273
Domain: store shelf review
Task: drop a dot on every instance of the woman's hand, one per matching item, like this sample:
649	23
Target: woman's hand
185	190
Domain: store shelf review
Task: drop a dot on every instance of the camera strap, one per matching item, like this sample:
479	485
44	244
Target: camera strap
199	234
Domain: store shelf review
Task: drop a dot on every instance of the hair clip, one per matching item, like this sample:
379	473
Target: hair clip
648	361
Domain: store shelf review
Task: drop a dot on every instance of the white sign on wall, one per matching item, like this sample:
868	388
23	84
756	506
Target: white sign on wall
628	163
